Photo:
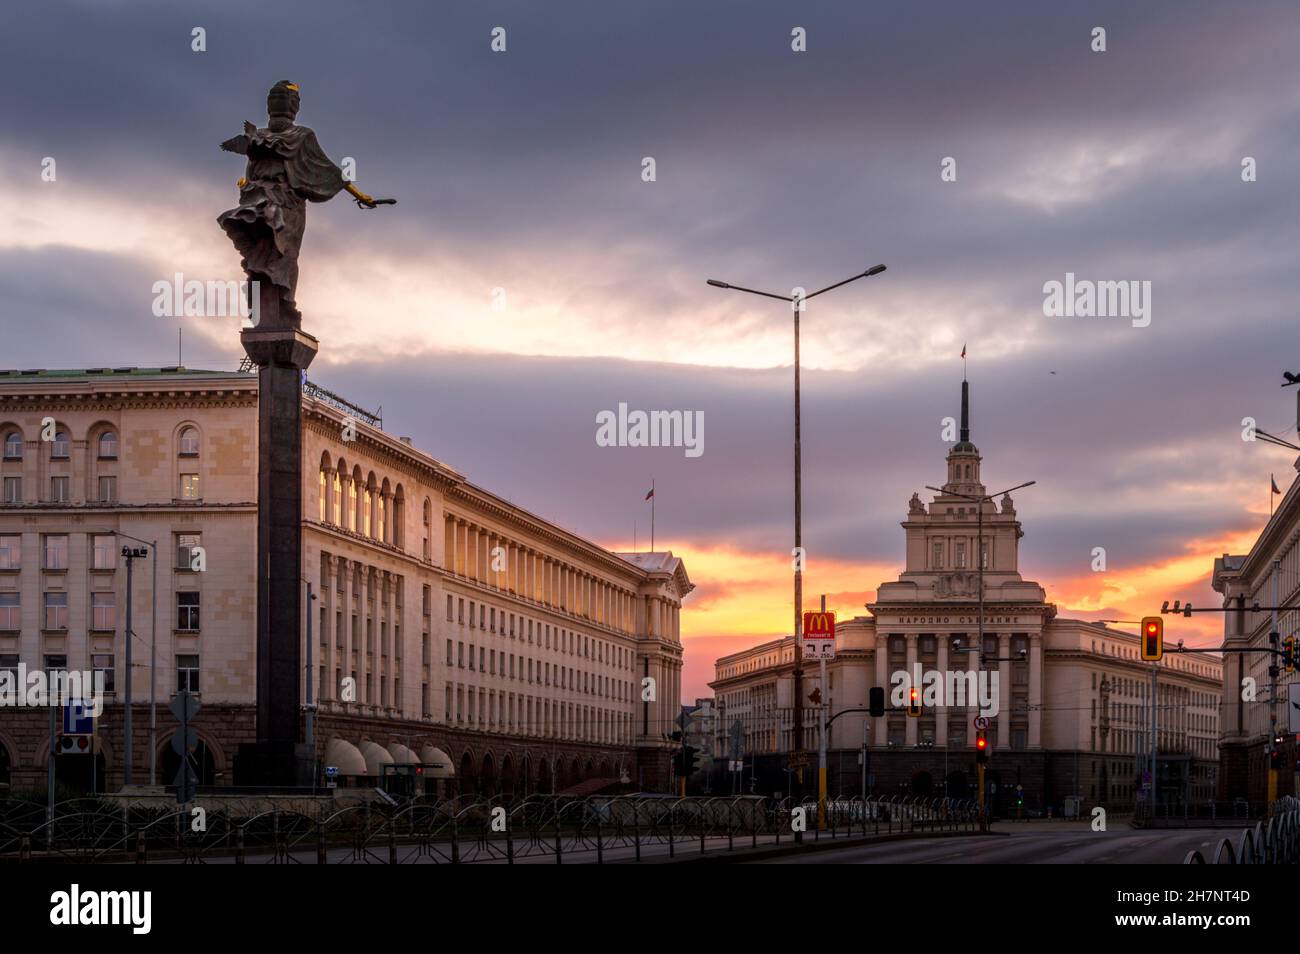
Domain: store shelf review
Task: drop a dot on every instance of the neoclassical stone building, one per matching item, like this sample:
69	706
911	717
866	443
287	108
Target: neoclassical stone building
1072	695
1271	567
449	626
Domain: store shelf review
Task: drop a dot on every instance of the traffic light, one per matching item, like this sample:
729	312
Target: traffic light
914	701
877	703
981	746
1153	638
1288	654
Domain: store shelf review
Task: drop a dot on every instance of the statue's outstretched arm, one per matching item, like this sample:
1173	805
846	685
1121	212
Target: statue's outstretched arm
359	195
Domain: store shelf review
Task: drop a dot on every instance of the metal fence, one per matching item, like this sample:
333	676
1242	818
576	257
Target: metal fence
464	830
1272	842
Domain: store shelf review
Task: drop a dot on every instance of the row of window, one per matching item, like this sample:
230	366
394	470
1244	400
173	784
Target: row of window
538	671
103	612
482	616
103	551
958	554
102	667
491	709
106	446
105	489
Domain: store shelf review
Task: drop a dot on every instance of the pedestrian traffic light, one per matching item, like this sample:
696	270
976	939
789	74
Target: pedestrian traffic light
914	701
877	703
1288	653
1153	638
981	746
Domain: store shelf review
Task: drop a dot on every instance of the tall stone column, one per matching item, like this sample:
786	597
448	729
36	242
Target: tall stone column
973	665
281	357
1004	691
910	730
941	716
880	731
1036	690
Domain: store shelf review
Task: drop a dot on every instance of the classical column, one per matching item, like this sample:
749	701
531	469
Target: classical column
880	727
1004	690
1036	690
942	713
972	710
327	599
910	737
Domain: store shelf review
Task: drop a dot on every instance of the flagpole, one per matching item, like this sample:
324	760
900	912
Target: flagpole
652	515
1271	484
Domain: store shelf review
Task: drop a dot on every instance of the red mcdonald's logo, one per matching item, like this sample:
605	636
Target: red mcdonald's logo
818	625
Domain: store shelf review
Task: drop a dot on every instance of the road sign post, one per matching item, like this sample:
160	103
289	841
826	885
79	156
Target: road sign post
819	631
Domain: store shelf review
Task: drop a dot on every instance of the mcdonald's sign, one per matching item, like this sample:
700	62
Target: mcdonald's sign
819	625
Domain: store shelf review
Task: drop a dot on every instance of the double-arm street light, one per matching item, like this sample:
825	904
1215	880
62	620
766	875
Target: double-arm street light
128	751
797	302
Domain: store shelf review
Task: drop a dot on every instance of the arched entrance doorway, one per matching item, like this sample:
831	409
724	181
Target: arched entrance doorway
487	783
507	776
466	777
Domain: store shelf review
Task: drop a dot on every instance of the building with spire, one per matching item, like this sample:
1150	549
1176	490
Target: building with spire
1065	700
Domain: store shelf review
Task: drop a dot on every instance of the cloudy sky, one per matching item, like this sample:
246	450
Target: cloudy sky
522	171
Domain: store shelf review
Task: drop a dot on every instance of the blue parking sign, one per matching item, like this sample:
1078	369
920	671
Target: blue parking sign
78	718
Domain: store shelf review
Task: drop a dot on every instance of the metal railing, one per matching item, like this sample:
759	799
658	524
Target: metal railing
1274	842
547	828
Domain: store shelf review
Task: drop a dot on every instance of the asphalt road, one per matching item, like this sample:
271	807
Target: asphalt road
1029	844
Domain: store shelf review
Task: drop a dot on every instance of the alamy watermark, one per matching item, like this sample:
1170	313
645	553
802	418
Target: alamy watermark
957	688
624	428
1089	299
39	688
212	299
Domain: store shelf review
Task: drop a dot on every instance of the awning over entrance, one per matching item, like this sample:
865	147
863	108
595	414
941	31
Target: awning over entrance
346	757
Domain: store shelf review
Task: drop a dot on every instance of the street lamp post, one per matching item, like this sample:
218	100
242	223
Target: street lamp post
153	657
797	303
128	750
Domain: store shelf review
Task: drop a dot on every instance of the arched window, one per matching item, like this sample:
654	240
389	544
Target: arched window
108	444
352	505
189	445
14	445
62	446
320	490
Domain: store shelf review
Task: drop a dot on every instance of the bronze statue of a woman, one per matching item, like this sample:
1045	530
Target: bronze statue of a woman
286	169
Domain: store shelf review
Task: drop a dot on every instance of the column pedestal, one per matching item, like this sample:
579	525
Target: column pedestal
277	758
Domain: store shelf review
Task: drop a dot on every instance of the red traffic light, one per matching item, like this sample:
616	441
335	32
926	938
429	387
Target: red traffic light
981	743
1153	638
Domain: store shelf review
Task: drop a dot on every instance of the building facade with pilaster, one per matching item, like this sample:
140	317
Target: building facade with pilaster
449	627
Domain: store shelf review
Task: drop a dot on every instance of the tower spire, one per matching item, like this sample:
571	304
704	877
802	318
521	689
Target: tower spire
965	411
